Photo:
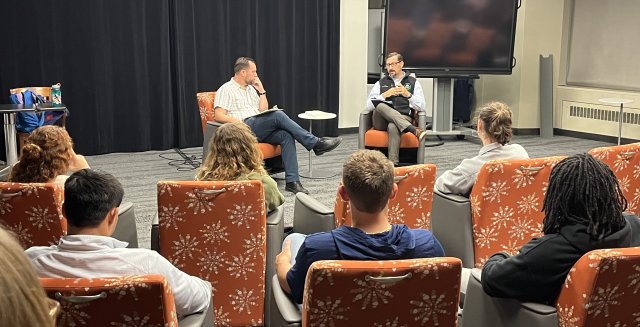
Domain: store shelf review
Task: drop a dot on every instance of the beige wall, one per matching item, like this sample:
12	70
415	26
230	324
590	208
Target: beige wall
538	32
353	61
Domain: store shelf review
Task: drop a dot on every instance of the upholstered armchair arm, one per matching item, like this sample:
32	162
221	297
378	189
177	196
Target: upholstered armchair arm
126	229
482	310
284	312
209	130
422	123
275	235
451	224
311	216
365	124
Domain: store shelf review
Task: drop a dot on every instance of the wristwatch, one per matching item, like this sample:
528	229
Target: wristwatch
263	93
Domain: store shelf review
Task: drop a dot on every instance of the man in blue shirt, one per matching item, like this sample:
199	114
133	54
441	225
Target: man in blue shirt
367	183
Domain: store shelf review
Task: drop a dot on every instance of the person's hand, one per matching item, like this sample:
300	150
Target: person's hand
403	91
391	92
257	84
285	255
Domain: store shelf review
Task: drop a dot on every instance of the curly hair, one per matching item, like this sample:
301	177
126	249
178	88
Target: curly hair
496	117
583	190
47	154
232	153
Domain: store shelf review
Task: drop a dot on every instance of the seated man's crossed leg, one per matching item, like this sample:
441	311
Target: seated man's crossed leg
388	119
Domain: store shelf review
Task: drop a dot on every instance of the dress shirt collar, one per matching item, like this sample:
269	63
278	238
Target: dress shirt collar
238	84
489	148
89	243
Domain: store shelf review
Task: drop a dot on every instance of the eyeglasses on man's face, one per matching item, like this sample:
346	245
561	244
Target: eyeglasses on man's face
391	64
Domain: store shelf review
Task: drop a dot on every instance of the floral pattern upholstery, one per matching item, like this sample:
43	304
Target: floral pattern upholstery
142	300
217	231
416	292
205	105
412	204
33	212
624	160
506	203
602	289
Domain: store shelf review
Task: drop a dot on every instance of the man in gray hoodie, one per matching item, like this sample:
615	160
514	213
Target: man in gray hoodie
367	183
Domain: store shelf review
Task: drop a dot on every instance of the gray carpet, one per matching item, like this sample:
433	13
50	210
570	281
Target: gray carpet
139	172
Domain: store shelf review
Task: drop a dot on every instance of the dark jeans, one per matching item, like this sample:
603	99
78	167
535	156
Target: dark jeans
278	129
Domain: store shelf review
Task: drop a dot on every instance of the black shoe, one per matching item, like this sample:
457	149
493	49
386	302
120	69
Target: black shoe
295	187
326	144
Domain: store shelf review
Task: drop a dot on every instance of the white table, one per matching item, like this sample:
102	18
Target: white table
311	116
621	102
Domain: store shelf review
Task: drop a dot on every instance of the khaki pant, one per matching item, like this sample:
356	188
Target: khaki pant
388	119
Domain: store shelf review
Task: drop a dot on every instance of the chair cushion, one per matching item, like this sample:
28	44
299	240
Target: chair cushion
380	139
269	150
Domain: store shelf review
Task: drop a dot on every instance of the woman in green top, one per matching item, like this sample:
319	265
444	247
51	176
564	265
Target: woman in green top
233	155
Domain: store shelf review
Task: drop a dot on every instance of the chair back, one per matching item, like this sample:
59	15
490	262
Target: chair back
602	290
217	231
416	292
33	212
506	202
412	204
143	300
624	160
205	105
44	91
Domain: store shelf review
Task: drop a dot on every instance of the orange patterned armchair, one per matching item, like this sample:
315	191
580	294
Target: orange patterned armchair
271	154
33	212
624	160
218	232
412	204
416	292
144	300
502	213
600	290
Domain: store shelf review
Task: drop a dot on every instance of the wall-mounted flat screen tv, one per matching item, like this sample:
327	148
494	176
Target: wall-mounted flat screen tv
452	37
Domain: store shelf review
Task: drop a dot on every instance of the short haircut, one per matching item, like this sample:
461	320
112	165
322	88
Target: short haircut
242	63
496	117
367	176
89	195
583	190
397	55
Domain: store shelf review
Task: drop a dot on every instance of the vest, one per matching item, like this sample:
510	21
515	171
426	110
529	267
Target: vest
400	103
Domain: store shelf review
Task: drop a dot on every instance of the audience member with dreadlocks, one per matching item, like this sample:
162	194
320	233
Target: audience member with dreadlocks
583	211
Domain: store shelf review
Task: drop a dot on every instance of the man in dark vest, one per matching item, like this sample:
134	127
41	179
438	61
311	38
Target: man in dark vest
394	100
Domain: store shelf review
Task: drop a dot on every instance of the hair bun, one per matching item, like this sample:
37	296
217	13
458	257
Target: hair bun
31	151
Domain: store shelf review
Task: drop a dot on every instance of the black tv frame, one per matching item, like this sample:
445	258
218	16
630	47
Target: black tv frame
456	72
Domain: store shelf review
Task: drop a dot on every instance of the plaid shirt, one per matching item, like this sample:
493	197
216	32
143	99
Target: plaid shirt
239	102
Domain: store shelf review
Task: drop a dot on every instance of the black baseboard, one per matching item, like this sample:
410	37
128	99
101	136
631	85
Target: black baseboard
526	131
348	130
593	137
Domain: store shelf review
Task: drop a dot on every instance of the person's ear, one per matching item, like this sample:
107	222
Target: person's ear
394	192
343	193
112	219
480	126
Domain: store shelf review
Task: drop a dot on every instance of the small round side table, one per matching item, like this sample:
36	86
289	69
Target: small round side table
311	116
621	102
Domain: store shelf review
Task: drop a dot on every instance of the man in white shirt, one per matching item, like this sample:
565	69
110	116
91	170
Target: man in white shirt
395	99
243	98
87	251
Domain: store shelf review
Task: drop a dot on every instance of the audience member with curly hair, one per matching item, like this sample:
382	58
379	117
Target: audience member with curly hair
47	157
23	301
233	155
494	129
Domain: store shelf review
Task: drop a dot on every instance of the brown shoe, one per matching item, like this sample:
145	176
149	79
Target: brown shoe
420	134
